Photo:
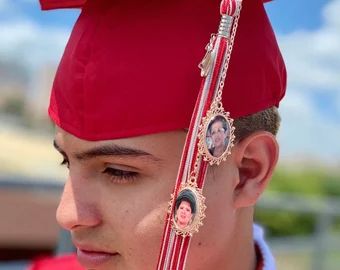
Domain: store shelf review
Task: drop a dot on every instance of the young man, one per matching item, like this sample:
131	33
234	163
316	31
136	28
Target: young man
122	100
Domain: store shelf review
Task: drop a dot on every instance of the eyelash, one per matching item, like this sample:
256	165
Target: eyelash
65	162
116	175
120	176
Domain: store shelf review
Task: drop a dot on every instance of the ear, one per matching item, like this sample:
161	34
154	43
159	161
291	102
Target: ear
255	157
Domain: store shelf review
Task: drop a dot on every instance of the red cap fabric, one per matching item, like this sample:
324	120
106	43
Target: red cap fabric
53	4
130	67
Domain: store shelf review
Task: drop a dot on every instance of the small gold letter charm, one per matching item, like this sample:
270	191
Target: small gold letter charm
207	62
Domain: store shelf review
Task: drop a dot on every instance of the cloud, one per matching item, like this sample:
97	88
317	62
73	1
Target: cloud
305	133
313	61
313	58
26	40
331	14
31	44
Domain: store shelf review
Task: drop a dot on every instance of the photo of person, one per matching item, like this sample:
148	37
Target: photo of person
185	209
217	136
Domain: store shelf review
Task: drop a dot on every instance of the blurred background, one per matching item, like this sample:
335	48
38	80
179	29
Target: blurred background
300	210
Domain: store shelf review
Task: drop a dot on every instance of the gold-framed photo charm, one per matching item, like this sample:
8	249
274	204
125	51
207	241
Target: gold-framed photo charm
189	210
216	136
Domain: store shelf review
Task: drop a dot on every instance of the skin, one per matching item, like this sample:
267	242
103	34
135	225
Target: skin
218	138
125	215
183	214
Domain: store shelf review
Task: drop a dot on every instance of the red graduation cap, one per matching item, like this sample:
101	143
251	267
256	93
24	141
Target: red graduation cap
130	67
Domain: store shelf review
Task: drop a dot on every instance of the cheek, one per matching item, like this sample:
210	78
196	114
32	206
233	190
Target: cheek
219	202
139	221
136	229
152	221
150	227
217	230
145	238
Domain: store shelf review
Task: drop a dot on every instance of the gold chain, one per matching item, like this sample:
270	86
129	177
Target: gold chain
218	96
217	102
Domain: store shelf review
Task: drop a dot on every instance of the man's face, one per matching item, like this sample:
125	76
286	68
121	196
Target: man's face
184	214
218	134
116	196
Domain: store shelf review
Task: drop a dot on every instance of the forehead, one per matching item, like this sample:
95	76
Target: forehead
161	144
217	124
184	203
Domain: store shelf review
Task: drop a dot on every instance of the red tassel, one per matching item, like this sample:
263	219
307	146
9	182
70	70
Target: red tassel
228	7
56	4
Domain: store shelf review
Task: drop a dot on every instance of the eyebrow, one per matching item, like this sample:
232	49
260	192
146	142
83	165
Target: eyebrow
109	150
58	148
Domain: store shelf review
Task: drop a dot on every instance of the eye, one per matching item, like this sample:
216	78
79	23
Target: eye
65	162
120	176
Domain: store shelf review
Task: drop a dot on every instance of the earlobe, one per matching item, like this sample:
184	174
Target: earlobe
256	157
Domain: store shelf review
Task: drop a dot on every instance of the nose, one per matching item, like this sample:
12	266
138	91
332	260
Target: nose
76	208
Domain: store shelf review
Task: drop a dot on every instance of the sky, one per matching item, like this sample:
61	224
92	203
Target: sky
308	32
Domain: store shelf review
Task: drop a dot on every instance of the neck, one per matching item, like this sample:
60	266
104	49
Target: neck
235	248
182	225
218	150
241	253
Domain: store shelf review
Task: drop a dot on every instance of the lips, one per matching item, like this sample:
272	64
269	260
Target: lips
92	258
218	140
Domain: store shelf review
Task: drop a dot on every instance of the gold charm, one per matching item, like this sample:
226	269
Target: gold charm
216	135
189	209
206	64
208	60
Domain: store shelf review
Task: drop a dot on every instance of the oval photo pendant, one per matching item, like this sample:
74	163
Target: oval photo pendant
189	210
216	135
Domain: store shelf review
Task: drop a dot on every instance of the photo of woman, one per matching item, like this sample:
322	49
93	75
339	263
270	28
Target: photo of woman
217	137
185	209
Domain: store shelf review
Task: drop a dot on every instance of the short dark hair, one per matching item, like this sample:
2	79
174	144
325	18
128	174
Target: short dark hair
187	196
218	118
266	120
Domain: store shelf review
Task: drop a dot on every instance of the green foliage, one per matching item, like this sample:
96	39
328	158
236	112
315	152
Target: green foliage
312	181
336	225
308	182
14	105
283	223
